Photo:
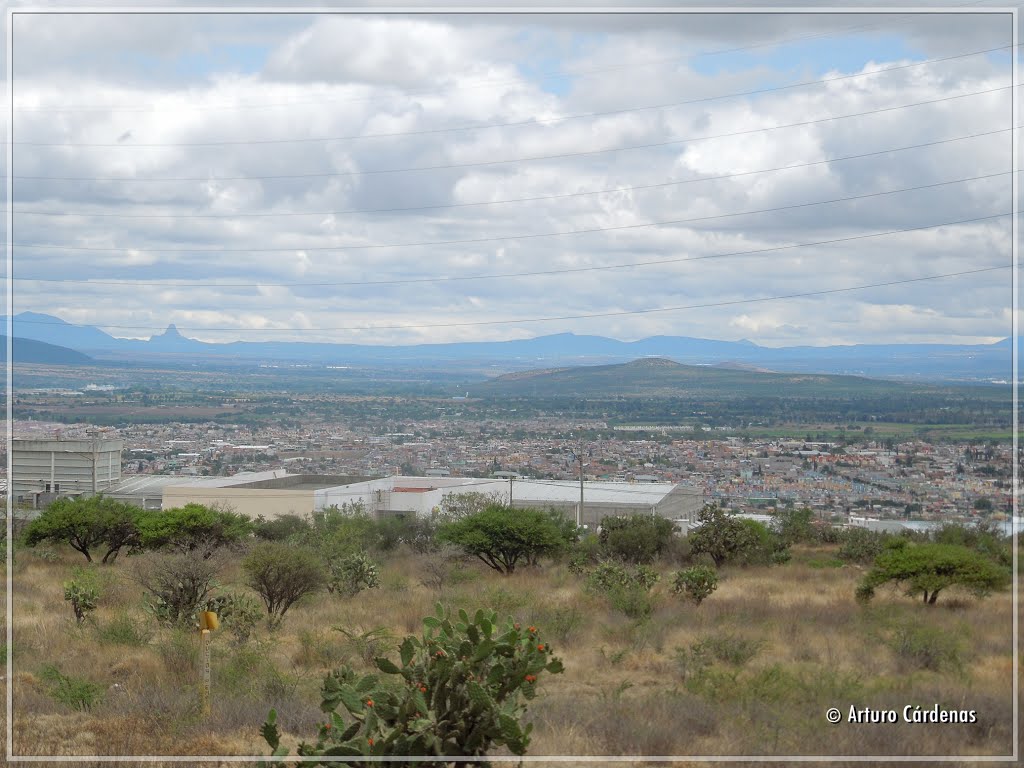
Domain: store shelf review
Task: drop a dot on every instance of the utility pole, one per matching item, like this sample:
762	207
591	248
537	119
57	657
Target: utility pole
577	455
510	490
579	513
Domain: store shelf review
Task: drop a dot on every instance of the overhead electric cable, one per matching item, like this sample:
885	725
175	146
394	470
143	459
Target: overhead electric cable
520	123
486	163
567	270
528	236
447	206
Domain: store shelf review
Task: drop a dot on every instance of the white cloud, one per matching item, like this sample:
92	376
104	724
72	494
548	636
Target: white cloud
349	76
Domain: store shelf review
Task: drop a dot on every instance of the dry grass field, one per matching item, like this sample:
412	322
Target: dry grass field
751	671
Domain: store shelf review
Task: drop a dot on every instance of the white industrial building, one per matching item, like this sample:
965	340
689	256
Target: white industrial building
44	469
276	493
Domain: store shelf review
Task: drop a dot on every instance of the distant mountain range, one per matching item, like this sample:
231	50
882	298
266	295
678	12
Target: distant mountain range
921	362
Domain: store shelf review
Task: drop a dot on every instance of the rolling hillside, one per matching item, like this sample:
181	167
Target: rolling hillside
657	377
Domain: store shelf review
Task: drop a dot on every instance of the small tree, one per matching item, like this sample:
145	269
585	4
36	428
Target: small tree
456	506
501	537
721	536
282	574
927	569
635	539
194	528
87	525
177	584
794	525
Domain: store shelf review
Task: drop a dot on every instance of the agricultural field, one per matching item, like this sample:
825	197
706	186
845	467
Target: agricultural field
750	670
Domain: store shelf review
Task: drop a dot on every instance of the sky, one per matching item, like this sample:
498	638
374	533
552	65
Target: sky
398	179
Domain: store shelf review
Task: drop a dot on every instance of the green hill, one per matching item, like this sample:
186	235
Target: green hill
657	377
31	351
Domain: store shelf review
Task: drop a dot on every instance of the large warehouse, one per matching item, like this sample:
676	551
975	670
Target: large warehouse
275	493
42	469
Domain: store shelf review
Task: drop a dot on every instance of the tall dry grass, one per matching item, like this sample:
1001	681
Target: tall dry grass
790	641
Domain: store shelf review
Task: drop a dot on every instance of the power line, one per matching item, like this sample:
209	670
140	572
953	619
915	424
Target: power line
568	270
520	123
486	163
620	227
588	316
630	188
483	84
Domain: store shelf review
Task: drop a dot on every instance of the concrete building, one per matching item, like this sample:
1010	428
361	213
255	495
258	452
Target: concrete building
44	469
270	494
276	493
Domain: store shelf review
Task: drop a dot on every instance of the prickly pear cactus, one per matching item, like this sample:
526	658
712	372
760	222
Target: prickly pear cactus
459	690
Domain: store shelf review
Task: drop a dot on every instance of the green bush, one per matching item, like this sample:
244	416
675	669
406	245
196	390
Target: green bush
123	630
282	574
70	691
734	650
637	539
984	538
794	526
696	583
280	528
458	690
925	647
859	545
627	589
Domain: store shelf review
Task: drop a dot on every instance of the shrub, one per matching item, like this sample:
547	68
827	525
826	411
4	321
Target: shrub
282	574
924	647
83	593
70	691
984	538
636	539
927	569
123	630
794	526
625	588
729	649
458	690
859	545
501	536
177	585
280	528
608	576
586	552
456	506
696	583
350	575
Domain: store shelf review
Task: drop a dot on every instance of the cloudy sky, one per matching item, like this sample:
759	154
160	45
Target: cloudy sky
383	178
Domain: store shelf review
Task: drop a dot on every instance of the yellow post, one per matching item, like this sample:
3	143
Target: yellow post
207	623
204	647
